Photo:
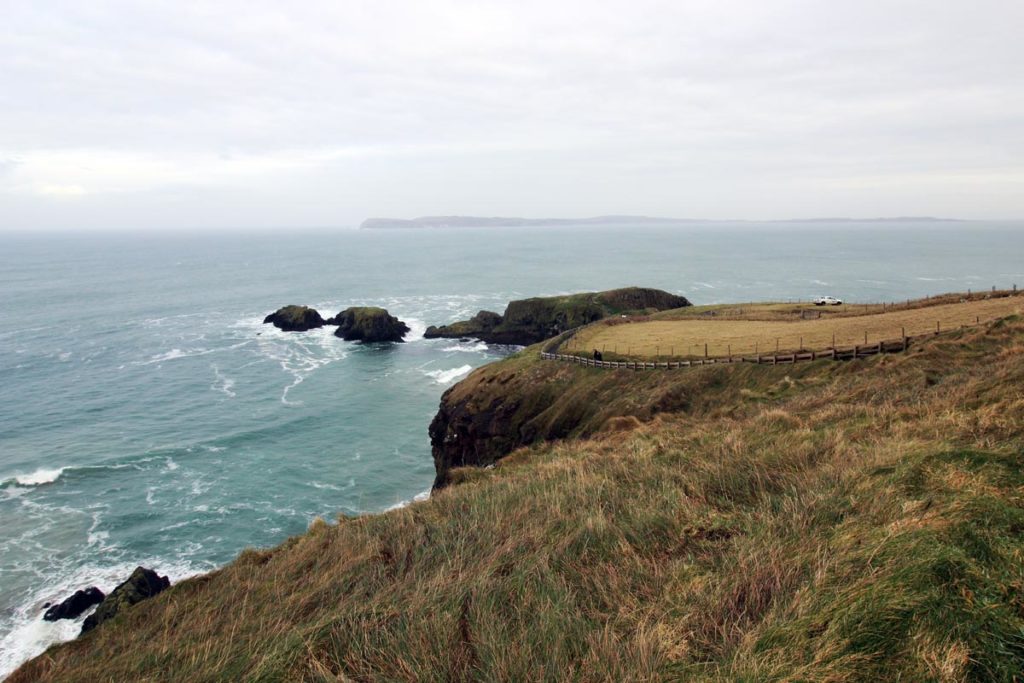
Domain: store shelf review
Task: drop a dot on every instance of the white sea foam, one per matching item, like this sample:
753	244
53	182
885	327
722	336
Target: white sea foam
447	376
224	383
27	635
469	347
329	487
416	329
39	477
423	495
300	355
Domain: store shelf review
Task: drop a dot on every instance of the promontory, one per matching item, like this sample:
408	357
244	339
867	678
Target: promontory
528	321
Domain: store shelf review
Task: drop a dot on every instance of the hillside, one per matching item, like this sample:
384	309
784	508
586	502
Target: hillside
826	521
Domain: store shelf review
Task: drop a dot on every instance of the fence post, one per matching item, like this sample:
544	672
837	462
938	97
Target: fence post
903	333
938	327
730	353
705	349
865	336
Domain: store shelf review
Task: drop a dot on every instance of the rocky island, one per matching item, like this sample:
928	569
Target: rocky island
295	319
528	321
368	324
356	323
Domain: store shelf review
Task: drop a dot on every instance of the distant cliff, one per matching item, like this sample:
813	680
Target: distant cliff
513	222
507	222
528	321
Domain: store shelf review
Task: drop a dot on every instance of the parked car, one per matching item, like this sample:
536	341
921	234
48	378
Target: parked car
827	301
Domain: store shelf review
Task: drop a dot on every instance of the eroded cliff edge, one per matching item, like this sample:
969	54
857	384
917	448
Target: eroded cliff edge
523	400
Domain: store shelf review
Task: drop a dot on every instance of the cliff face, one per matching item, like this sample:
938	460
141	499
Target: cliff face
524	400
528	321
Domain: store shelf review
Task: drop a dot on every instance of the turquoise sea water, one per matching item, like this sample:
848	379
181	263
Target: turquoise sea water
148	417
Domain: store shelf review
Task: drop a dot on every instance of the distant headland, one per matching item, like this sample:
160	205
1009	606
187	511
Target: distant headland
512	222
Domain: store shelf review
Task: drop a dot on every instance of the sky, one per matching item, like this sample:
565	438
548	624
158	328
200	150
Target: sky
151	115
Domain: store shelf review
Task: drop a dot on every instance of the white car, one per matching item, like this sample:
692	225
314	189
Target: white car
827	301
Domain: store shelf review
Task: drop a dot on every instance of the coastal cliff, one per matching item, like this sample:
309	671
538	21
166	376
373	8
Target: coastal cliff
528	321
822	521
522	400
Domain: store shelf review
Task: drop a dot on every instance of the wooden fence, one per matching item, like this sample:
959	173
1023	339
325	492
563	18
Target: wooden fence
851	353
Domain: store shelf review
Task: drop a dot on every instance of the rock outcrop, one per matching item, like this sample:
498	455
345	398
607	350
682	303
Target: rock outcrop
295	319
528	321
523	400
74	606
480	325
368	324
142	584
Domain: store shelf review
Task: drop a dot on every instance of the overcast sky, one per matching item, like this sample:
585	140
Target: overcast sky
250	114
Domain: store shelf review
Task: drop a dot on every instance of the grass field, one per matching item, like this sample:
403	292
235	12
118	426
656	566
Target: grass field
765	328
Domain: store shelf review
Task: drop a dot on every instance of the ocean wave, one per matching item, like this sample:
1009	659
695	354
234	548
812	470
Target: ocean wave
26	635
38	478
423	495
329	487
447	376
467	347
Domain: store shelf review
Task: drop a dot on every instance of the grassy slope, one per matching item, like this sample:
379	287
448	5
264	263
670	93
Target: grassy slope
836	521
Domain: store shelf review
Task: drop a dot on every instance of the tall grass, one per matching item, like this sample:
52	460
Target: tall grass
833	522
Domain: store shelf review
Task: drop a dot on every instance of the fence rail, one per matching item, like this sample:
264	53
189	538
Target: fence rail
850	353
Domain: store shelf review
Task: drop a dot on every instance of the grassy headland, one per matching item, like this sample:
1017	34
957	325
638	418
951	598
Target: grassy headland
753	328
826	521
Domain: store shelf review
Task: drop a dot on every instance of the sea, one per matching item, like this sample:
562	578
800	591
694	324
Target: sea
149	417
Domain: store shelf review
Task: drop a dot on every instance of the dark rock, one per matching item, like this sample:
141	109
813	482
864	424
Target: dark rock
368	324
528	321
295	319
142	584
481	324
73	607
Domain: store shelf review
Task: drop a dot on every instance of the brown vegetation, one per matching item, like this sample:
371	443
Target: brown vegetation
829	521
766	327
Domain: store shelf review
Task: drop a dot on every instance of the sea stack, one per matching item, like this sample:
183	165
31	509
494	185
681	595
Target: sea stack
295	319
368	324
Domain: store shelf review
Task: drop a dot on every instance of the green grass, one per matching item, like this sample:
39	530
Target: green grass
826	522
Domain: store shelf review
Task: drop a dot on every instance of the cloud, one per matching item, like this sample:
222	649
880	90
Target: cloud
642	106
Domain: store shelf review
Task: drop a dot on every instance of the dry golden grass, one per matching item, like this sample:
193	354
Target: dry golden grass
687	336
834	522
